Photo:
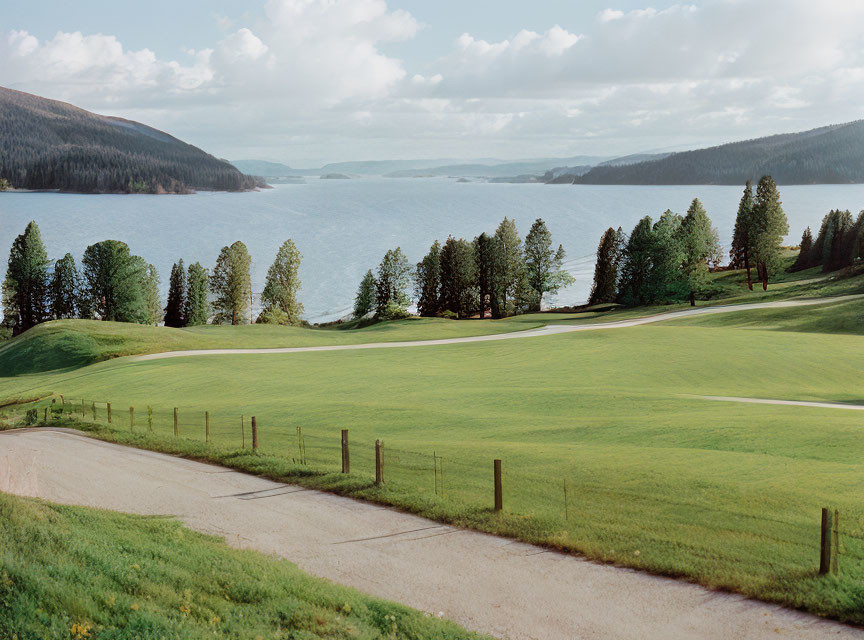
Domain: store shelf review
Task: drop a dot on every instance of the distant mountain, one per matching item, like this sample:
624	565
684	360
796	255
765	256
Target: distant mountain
263	168
828	155
495	168
633	159
45	144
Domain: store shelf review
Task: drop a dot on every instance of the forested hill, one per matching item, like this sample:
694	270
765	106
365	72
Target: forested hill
45	144
829	155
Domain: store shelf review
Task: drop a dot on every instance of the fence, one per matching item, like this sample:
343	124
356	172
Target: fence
654	527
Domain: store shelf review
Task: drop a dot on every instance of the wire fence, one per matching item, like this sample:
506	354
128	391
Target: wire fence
660	528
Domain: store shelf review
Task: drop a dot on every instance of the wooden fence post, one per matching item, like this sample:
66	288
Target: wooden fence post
499	498
379	464
176	430
254	433
131	418
835	547
109	412
150	418
825	546
346	459
207	427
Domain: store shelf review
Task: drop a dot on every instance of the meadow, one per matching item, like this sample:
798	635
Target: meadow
725	494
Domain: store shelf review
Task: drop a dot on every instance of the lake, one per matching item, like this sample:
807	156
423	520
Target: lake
343	227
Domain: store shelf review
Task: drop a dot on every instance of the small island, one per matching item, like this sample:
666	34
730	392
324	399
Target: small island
335	176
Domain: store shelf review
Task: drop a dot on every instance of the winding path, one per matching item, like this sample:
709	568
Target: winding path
548	330
486	583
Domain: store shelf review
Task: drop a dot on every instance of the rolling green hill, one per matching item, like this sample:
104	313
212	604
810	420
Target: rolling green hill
46	144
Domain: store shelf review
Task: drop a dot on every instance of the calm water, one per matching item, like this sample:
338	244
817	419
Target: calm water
343	227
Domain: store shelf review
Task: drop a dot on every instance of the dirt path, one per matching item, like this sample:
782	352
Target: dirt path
486	583
792	403
548	330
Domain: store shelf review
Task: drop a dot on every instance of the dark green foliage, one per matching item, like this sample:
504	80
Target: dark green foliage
829	155
427	282
767	230
805	253
394	278
280	292
666	280
46	144
25	288
636	262
175	310
740	253
606	268
700	245
364	303
835	246
508	270
65	289
458	278
197	309
114	278
150	289
484	248
543	265
231	284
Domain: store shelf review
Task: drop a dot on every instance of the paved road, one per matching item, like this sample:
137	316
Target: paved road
548	330
791	403
486	583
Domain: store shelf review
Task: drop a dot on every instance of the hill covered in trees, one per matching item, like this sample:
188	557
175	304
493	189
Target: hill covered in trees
828	155
46	144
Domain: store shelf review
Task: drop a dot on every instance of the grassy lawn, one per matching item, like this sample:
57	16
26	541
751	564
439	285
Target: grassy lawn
86	574
727	495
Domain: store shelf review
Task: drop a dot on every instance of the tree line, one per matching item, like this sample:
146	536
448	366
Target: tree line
115	285
493	274
669	260
839	244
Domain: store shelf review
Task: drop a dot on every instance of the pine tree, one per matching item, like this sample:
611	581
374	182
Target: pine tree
25	288
364	303
769	227
197	308
804	252
175	309
483	260
231	284
113	278
280	291
150	285
458	277
508	269
394	277
543	265
605	287
700	243
427	282
665	280
636	260
64	289
741	244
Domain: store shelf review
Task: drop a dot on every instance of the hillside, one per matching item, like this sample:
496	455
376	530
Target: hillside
46	144
828	155
263	168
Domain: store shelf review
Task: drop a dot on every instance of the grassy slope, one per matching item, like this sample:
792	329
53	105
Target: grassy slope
69	572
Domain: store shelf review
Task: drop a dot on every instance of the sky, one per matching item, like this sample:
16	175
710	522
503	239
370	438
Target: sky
307	82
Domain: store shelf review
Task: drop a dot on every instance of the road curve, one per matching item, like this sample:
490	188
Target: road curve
486	583
548	330
789	403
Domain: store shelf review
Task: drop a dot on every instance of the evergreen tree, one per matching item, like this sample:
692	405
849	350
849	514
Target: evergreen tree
508	269
26	284
458	277
636	262
768	228
114	278
700	244
838	252
741	244
805	252
666	281
197	308
427	282
364	303
64	289
150	285
175	310
605	287
543	265
483	265
280	291
231	284
394	278
856	251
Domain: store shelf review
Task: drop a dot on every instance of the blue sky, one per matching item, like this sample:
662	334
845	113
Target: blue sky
311	81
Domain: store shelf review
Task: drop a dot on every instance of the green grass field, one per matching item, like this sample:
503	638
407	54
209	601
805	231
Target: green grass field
724	494
85	574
